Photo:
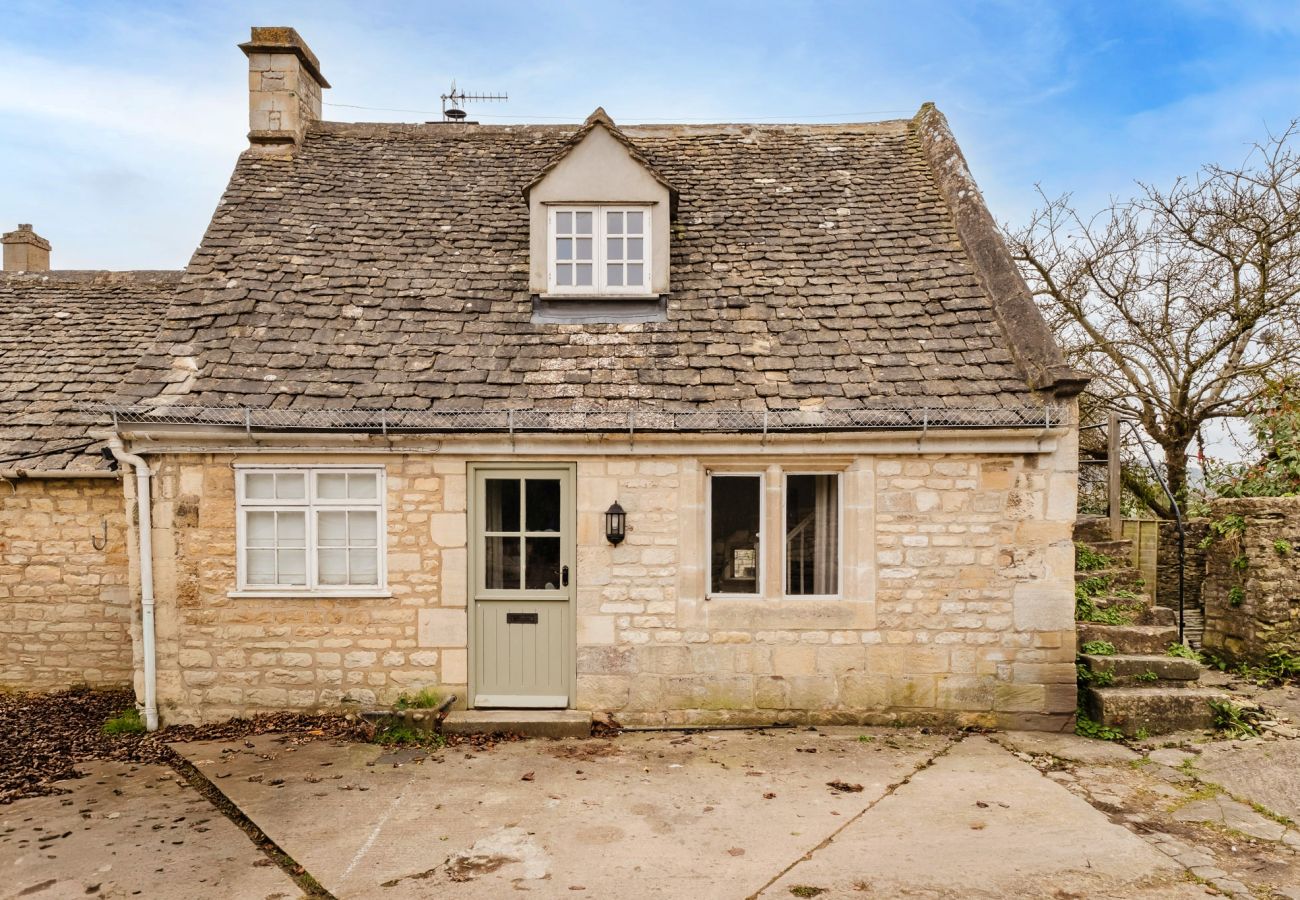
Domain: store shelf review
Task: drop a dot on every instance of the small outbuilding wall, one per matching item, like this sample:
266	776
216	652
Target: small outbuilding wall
957	600
1252	579
65	606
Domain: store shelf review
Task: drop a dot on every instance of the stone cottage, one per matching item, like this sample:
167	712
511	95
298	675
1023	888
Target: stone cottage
688	424
67	339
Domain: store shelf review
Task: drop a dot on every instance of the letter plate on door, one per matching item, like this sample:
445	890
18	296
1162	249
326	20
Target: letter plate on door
521	618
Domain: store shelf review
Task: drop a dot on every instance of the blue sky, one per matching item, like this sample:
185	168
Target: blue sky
120	122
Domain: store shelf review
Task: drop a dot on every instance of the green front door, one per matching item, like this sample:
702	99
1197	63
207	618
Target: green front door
522	578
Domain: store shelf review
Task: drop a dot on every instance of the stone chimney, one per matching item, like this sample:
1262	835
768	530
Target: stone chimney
25	251
284	89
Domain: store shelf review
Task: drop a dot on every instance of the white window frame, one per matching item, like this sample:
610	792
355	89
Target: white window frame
598	286
839	535
759	551
311	506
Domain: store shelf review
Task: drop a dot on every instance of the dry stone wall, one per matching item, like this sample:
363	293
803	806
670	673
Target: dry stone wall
1252	579
65	607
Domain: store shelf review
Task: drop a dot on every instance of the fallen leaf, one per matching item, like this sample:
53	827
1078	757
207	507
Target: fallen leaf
736	851
528	776
844	787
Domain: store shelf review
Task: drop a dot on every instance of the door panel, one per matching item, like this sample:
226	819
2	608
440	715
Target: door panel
522	585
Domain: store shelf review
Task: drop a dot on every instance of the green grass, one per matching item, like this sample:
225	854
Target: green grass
425	698
125	722
402	735
1097	648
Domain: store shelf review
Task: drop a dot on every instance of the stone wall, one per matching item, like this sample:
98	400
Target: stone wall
956	603
65	608
1252	581
1166	585
221	656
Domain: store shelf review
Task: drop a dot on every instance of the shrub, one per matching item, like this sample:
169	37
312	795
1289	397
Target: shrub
425	698
1184	651
1087	559
1234	720
1097	648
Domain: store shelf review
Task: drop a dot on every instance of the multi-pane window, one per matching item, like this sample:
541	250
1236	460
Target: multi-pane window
599	249
311	529
522	534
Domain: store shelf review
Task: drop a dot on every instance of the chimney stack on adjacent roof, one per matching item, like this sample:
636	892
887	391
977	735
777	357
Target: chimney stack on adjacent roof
25	251
284	89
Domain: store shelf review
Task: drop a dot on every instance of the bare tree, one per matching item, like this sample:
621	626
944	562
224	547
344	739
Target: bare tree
1182	303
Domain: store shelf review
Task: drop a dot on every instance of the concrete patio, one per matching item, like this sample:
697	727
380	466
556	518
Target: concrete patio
832	812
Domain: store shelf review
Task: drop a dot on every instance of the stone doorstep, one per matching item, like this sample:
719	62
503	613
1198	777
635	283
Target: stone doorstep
1157	709
1127	666
1130	639
547	723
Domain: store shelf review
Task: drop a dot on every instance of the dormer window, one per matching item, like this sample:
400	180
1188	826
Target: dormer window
599	250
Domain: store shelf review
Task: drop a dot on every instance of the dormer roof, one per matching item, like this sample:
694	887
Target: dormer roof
600	119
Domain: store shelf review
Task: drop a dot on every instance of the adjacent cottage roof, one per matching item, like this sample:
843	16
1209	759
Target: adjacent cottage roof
67	339
386	267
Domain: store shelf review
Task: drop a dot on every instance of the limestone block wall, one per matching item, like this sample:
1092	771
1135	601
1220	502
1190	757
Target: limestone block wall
221	656
65	607
956	599
1252	579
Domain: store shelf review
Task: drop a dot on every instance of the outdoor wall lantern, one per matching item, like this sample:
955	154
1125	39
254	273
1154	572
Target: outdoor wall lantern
615	523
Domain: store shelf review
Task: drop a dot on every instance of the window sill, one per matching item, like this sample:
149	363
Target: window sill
310	595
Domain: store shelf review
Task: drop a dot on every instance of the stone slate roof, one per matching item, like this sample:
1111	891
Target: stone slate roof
67	338
385	266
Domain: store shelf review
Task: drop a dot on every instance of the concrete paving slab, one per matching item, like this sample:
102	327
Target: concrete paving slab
645	815
130	831
981	823
1266	772
1069	747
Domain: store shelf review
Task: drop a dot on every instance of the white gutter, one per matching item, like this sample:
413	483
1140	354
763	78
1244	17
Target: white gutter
144	505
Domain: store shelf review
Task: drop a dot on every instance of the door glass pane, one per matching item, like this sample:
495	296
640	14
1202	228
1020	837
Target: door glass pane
812	515
502	504
543	495
734	549
501	562
542	570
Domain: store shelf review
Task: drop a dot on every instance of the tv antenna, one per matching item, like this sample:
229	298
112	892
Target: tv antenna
453	103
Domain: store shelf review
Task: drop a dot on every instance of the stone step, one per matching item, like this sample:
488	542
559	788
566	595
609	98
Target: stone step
1091	528
1130	639
550	723
1155	710
1120	577
1127	667
1121	551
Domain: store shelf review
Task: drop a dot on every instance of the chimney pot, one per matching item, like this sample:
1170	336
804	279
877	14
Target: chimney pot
25	250
284	88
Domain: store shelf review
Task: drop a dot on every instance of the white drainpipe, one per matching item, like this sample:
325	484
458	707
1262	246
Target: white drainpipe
144	505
